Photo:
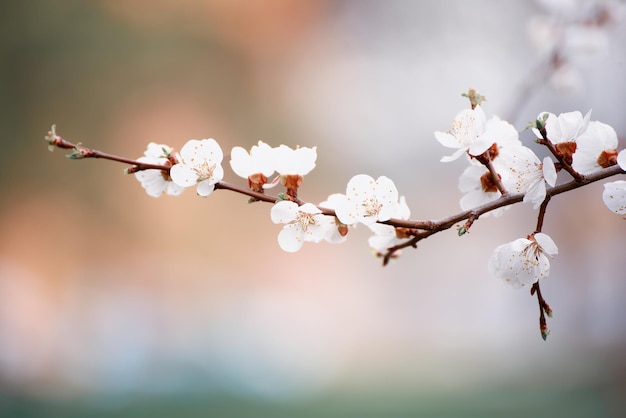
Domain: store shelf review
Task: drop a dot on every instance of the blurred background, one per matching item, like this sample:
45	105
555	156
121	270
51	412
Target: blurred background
113	303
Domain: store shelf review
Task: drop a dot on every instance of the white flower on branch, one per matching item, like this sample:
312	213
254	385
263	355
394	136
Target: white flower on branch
299	161
386	236
524	261
529	175
302	223
201	165
255	166
471	133
292	165
479	188
596	148
155	182
467	126
367	200
614	196
564	130
336	231
260	159
498	138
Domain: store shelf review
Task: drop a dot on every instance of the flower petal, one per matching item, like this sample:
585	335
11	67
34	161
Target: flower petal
549	171
546	243
205	188
183	175
290	239
614	196
284	212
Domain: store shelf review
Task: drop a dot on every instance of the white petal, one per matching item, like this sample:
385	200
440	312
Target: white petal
290	239
210	150
205	188
360	185
546	243
304	160
190	151
218	174
346	211
621	159
263	157
309	208
241	163
454	156
446	139
284	212
315	232
174	189
536	193
183	175
386	191
549	171
614	196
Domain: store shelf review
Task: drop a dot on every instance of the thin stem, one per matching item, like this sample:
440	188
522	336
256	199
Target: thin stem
544	309
542	213
496	178
564	164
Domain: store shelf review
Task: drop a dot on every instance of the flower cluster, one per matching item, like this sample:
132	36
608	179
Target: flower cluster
499	164
366	200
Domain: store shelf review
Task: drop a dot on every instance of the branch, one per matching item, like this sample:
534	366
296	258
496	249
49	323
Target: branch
432	227
421	229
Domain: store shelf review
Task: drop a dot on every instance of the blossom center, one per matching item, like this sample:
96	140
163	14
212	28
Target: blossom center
305	219
204	171
371	207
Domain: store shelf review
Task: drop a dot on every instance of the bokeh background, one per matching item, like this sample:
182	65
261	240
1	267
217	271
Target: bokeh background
113	303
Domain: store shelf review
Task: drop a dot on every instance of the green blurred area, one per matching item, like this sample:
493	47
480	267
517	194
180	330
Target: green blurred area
588	402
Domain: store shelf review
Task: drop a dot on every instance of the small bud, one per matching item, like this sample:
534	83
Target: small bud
461	230
547	309
544	332
281	196
131	170
77	154
52	138
539	124
474	98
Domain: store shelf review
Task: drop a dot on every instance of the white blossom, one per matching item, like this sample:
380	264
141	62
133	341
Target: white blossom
621	159
201	165
367	200
614	196
155	182
529	175
336	232
596	148
299	161
467	126
471	133
479	188
260	159
302	223
524	261
566	127
386	236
